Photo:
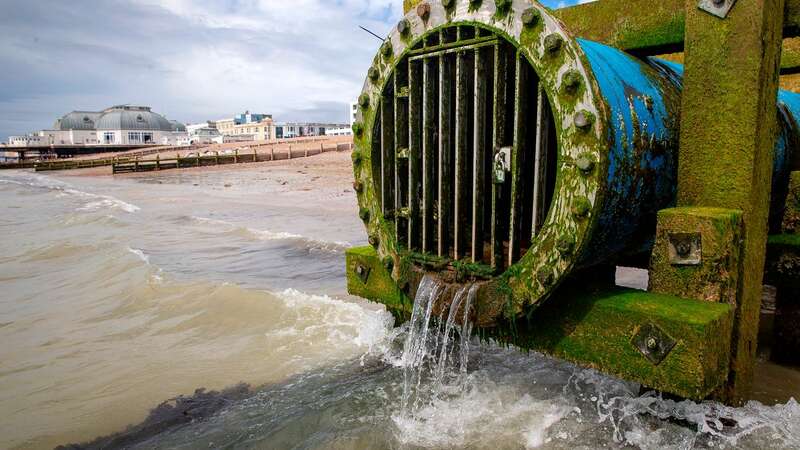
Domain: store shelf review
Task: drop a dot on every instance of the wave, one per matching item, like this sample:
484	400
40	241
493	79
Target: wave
142	255
268	235
95	201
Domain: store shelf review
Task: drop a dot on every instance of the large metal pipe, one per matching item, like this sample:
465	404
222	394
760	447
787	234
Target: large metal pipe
612	124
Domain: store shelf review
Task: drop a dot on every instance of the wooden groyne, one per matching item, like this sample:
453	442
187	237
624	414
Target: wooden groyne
216	159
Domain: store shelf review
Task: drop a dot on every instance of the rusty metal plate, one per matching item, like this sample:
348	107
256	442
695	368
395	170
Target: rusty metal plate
653	343
719	8
685	249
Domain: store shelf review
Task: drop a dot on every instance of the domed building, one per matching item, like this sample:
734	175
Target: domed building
122	125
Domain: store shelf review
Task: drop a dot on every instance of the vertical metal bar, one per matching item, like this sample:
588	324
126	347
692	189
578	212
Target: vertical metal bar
479	152
445	160
520	132
499	130
387	153
401	141
414	154
462	134
429	120
540	164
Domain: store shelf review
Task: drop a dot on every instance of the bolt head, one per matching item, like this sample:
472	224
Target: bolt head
583	120
683	249
585	163
652	343
374	241
571	82
552	43
358	129
404	26
424	10
581	207
531	17
363	100
373	74
386	49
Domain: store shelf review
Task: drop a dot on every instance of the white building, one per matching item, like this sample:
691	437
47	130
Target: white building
353	112
119	125
288	130
344	131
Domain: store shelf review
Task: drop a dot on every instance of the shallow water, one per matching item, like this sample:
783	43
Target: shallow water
119	294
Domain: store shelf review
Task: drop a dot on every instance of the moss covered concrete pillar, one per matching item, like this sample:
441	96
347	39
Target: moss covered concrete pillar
728	130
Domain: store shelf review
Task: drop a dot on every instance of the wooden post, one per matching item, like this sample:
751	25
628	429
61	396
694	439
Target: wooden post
136	164
290	151
305	153
728	131
322	147
236	156
272	152
177	160
216	158
158	161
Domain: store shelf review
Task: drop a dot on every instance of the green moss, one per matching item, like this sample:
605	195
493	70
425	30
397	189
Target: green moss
594	328
791	215
380	286
785	240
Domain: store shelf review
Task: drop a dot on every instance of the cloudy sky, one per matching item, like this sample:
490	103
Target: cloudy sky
191	60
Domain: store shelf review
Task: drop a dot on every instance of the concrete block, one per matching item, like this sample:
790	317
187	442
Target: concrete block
697	254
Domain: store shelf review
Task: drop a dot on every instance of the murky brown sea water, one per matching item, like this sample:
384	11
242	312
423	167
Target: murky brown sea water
118	294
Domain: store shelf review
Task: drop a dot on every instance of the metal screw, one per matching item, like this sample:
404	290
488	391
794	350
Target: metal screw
530	17
583	120
424	10
552	43
652	343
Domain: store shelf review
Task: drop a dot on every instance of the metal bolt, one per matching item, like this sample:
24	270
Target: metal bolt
571	82
585	163
374	241
424	10
545	276
358	129
581	207
502	4
373	74
530	17
565	245
552	43
652	343
403	26
364	101
683	249
583	120
386	49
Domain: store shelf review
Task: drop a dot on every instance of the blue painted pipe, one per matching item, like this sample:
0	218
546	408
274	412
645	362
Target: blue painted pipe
643	102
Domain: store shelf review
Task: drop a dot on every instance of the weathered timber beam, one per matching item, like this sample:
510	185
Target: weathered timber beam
644	27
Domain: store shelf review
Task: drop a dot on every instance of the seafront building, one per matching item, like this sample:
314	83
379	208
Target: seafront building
246	127
122	125
286	130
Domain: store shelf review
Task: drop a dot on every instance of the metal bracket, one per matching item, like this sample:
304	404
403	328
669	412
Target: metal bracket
685	249
363	272
719	8
653	343
502	165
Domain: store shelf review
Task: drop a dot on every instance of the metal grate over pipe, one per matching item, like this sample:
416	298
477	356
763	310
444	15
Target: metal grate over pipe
466	149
